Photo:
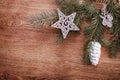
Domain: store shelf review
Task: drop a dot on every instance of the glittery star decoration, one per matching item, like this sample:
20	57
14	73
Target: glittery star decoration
65	23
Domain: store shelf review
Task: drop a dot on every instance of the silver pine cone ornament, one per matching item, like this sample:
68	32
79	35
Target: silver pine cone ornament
94	52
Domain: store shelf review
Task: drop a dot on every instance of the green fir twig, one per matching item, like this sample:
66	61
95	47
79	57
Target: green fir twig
94	32
44	18
114	47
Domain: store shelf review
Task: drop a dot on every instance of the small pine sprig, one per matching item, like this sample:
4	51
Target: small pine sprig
114	47
68	3
94	32
44	18
67	7
103	1
86	57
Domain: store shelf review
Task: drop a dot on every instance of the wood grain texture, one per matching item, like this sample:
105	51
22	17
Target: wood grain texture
30	53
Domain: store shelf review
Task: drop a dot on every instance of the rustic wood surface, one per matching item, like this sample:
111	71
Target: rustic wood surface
30	53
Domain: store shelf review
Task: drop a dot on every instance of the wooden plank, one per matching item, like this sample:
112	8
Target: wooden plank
29	53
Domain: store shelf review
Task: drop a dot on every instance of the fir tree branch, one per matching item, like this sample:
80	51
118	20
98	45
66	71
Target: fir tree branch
114	47
44	18
103	1
93	32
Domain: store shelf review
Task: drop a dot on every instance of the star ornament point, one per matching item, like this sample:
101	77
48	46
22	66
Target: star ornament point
65	23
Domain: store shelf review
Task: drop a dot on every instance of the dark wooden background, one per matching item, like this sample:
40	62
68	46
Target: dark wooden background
30	53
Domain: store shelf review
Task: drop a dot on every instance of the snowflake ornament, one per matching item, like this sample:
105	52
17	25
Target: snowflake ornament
107	17
65	23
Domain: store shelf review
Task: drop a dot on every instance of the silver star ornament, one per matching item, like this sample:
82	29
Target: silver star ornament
65	23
